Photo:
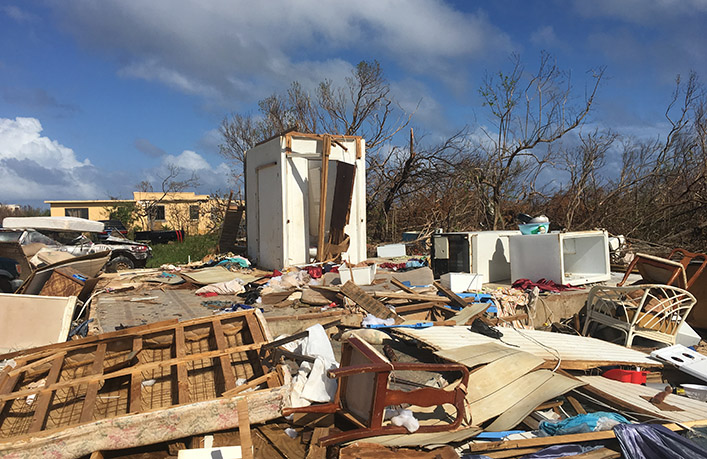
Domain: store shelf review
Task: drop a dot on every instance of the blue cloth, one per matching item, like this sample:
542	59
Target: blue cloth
582	423
649	441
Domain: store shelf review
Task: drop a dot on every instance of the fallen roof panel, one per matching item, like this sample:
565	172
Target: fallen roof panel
576	352
30	320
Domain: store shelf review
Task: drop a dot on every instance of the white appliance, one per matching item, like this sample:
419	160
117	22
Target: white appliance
480	252
575	258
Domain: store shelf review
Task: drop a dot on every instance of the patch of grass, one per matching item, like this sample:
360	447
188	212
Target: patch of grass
196	247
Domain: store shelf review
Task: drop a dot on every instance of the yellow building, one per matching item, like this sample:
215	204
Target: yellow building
188	211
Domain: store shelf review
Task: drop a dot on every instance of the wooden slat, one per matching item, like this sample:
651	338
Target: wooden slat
182	375
258	337
250	384
368	303
135	403
316	451
455	299
93	386
576	405
401	286
130	370
229	379
244	428
43	399
323	187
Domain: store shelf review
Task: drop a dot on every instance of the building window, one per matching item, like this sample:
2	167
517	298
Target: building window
193	212
81	212
158	212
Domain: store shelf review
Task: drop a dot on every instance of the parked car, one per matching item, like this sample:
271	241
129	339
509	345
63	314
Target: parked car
77	237
112	228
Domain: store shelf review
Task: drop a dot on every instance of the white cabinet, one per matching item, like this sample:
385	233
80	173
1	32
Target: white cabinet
566	258
282	178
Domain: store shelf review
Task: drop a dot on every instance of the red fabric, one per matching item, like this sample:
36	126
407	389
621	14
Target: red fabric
393	266
315	272
276	273
544	285
207	294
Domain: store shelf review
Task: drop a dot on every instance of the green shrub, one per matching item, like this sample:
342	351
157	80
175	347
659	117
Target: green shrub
196	247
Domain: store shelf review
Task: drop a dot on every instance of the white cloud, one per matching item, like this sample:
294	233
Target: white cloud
36	167
188	160
229	50
544	37
642	11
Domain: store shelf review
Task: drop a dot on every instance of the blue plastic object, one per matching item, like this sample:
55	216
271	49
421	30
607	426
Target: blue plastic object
416	325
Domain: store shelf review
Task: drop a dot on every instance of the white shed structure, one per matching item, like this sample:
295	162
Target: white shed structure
283	181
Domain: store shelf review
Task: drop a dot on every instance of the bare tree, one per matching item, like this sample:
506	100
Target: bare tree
527	110
146	209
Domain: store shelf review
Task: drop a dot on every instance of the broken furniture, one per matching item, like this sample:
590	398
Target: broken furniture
481	252
668	271
574	258
136	386
363	393
287	178
651	311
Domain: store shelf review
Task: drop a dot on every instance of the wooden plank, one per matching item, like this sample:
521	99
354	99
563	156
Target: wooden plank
412	297
290	448
130	370
136	378
93	386
323	186
555	386
244	428
517	399
315	451
501	372
562	439
229	378
258	337
454	299
401	286
41	404
511	453
469	313
601	453
477	354
250	384
182	376
364	450
576	405
368	303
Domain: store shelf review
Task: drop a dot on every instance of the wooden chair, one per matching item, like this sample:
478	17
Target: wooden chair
668	271
652	311
363	393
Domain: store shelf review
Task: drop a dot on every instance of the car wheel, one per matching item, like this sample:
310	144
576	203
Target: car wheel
119	263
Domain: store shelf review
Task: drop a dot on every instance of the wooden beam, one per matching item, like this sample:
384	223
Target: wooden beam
182	375
229	378
576	405
258	336
92	390
135	402
454	299
316	451
250	384
244	428
323	186
41	403
401	286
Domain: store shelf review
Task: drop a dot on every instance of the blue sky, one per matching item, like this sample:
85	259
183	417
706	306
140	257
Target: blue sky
98	95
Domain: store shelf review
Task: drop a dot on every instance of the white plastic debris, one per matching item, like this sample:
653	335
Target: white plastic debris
292	433
407	420
311	384
370	319
148	382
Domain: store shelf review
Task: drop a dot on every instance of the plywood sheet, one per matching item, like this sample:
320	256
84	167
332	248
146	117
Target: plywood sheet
30	320
425	439
576	352
213	275
511	396
690	410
